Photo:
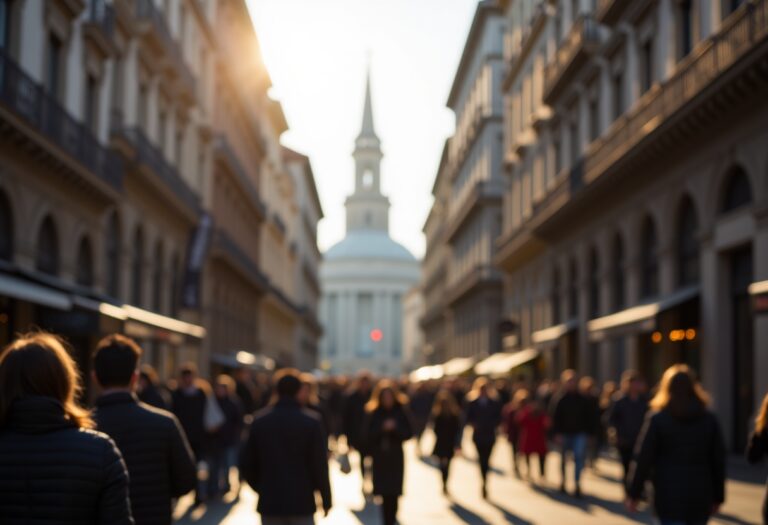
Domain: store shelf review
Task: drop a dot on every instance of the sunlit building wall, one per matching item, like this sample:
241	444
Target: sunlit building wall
634	220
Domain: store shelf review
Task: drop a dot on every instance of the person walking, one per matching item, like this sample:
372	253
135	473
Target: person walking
224	441
188	403
588	389
758	447
387	426
510	425
484	416
532	423
149	391
626	416
420	406
446	424
284	458
681	450
53	467
354	421
572	421
160	463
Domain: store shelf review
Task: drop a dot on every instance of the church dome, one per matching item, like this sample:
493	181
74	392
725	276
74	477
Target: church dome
368	244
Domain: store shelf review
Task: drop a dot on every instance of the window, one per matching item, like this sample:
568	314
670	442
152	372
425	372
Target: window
84	270
175	298
53	69
112	241
619	294
555	297
573	292
646	65
687	244
157	278
649	257
685	38
594	284
594	119
738	191
557	154
91	104
47	252
6	229
618	94
143	106
137	267
179	156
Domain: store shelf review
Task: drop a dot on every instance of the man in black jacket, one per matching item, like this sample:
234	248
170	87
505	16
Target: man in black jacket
627	415
159	460
285	458
573	419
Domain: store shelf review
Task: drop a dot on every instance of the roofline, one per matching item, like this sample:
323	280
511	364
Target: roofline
290	154
484	9
441	165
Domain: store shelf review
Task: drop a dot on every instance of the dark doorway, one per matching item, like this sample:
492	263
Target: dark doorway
742	328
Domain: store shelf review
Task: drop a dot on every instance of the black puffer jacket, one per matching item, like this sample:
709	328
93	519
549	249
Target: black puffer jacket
159	460
52	472
685	459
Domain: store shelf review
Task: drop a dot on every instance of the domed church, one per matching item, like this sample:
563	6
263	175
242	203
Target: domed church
365	276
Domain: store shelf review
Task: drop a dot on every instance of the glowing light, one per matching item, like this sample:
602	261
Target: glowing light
656	337
376	335
690	334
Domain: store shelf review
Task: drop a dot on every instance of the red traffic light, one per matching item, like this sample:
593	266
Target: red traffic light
376	335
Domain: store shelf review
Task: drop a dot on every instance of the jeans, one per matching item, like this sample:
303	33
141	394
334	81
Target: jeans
287	520
577	445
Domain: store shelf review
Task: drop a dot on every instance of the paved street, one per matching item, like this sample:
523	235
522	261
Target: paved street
511	501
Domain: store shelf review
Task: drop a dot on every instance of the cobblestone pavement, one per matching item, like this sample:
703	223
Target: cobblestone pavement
511	500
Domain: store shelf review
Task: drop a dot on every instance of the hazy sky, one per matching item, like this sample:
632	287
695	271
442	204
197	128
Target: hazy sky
317	51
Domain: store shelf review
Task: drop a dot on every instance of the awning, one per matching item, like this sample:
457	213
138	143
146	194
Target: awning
139	322
758	288
34	293
638	319
553	333
502	363
426	373
243	359
458	366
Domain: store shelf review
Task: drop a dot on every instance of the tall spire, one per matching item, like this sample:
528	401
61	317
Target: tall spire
367	130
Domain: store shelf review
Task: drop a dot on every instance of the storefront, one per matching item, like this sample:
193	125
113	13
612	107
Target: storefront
559	347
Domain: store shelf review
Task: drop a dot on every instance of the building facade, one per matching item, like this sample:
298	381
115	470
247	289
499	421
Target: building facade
130	175
634	219
413	335
366	275
462	286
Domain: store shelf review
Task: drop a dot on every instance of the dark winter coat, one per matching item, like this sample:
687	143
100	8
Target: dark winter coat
386	448
354	420
484	416
228	434
160	463
190	410
573	413
447	428
626	418
756	451
246	394
52	472
285	460
684	457
155	396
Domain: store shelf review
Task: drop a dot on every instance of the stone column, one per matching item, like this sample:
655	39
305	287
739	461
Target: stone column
665	43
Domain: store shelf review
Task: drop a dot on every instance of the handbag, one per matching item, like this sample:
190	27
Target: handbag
213	416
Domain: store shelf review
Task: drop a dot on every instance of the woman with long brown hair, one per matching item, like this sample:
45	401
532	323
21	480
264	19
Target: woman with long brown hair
681	445
387	426
53	467
446	424
758	446
484	416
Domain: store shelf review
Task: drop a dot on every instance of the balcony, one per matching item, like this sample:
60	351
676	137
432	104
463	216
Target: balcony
146	156
609	11
224	152
99	27
581	42
28	102
741	34
484	193
478	278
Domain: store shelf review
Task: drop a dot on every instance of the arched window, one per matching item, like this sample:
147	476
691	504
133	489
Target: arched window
84	270
175	285
157	278
594	284
137	267
737	191
112	241
687	244
649	257
555	299
47	255
6	229
619	288
573	291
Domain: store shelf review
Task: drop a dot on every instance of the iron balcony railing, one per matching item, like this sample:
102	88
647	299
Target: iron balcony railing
29	101
583	37
740	33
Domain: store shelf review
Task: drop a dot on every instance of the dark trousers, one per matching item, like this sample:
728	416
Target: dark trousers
515	454
445	467
626	458
542	464
484	458
389	509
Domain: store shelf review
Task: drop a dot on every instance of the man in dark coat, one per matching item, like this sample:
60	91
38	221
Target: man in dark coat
355	418
159	460
627	415
189	406
573	419
285	458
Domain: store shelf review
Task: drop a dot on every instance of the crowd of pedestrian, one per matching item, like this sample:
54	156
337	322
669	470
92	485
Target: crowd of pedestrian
144	444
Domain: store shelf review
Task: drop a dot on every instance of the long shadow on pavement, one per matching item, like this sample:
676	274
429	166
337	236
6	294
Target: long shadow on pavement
466	515
732	520
510	517
212	513
368	514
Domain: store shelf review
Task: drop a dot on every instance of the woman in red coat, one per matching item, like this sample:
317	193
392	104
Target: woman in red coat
532	423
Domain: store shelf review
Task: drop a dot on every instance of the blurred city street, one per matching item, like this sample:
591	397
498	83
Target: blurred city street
511	500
